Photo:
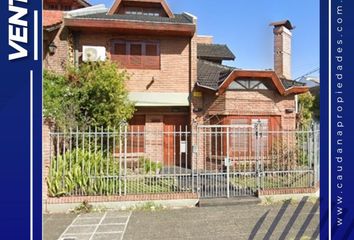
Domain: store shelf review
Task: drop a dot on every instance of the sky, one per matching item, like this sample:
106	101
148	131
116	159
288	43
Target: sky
244	26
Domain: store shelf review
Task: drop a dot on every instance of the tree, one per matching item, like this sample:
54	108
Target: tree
306	102
316	103
92	95
59	100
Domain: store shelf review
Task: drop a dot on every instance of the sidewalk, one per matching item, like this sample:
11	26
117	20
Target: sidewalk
277	221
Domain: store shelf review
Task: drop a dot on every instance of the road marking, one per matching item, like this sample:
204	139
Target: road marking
97	226
74	224
91	225
125	227
62	235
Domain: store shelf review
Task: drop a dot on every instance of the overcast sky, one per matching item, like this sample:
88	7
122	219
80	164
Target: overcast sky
244	26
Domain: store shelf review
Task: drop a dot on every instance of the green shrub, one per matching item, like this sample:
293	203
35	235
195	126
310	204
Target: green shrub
83	172
92	95
150	166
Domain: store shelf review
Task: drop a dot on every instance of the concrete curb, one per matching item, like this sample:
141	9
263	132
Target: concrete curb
171	204
284	197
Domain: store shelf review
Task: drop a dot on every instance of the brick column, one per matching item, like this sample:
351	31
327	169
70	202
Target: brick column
154	138
46	155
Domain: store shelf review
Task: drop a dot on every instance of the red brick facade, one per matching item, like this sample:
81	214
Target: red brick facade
178	73
173	75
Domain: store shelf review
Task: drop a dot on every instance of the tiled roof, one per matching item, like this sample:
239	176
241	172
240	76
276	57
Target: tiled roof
179	18
52	18
212	75
215	51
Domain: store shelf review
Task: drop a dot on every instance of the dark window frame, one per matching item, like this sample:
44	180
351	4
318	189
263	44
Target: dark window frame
247	86
126	61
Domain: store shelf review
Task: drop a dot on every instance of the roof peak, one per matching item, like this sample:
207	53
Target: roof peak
117	5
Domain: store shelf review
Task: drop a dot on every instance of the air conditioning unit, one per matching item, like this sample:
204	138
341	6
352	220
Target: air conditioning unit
93	53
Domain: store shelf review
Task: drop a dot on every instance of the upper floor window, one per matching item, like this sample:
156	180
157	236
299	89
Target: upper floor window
142	11
138	55
247	84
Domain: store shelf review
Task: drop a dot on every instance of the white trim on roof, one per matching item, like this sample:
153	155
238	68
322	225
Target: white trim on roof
100	8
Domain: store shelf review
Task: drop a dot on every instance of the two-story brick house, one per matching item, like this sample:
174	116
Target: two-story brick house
177	77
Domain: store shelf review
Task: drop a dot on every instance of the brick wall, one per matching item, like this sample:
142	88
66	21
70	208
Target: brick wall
58	62
256	103
154	142
174	73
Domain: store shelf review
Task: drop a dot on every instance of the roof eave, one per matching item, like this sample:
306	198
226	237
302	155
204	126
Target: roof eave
296	90
206	87
53	27
185	29
217	58
262	74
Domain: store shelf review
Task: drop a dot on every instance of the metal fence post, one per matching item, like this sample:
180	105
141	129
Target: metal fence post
195	161
194	155
257	153
125	158
315	160
227	161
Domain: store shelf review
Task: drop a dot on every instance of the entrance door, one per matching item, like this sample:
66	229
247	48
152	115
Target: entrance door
176	140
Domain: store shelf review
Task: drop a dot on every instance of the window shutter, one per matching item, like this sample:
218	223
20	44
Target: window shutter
135	55
152	56
120	53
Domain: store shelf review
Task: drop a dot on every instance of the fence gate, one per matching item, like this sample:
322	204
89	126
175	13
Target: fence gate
240	160
227	161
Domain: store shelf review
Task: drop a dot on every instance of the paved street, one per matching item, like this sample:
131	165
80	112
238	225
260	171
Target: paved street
277	221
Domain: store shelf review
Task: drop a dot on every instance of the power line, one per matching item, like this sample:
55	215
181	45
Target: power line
307	74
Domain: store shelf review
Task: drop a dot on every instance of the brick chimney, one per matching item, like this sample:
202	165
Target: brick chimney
282	48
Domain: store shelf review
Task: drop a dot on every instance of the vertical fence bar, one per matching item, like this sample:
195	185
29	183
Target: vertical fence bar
77	154
95	153
114	162
108	177
195	156
186	144
64	159
227	163
70	148
257	155
89	154
125	159
120	160
101	163
83	155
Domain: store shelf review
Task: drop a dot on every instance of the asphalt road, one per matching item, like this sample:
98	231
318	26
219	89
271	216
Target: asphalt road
277	221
